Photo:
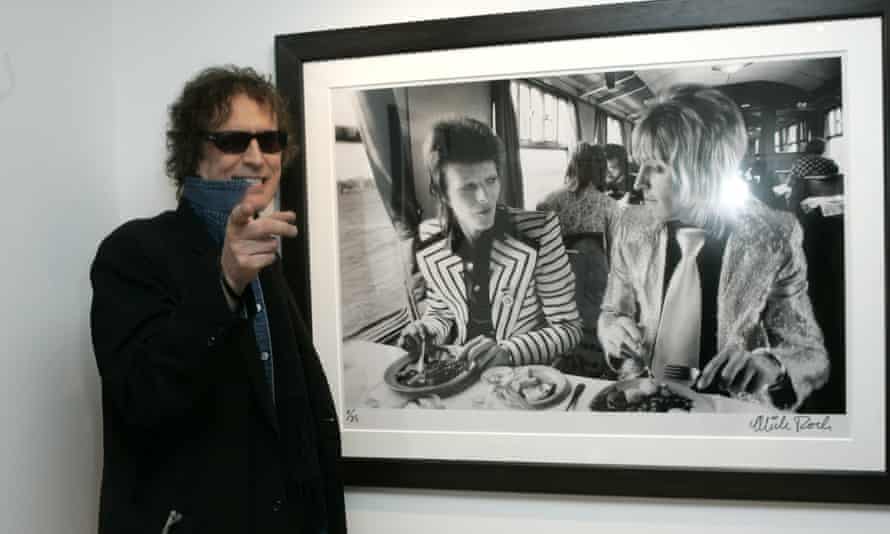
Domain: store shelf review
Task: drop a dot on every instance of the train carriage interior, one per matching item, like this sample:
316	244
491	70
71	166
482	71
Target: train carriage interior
384	191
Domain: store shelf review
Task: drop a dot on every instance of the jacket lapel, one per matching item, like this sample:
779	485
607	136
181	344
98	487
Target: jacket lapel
653	265
744	284
444	271
196	238
512	265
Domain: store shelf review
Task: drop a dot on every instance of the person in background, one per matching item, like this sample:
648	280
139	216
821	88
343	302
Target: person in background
499	280
706	277
581	205
755	172
585	214
217	414
812	163
618	180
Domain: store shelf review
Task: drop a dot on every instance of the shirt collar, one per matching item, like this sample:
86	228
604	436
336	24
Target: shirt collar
501	228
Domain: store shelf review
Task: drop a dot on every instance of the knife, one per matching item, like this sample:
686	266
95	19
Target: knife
576	394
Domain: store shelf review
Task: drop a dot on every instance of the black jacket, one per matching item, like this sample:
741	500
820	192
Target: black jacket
189	423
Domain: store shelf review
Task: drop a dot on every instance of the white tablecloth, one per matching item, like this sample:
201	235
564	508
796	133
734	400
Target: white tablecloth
364	364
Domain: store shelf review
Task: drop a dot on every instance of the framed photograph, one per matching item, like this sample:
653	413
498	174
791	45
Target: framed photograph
485	203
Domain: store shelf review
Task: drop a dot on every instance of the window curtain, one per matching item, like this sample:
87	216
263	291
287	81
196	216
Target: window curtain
386	143
627	129
384	130
507	129
586	114
579	123
599	127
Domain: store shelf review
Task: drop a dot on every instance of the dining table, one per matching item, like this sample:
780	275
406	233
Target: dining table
365	363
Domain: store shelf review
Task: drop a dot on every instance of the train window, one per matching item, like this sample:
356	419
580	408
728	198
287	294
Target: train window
567	126
834	122
547	128
791	138
550	119
521	102
613	131
546	120
373	291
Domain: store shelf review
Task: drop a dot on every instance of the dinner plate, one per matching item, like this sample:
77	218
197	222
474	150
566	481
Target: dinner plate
454	385
700	401
542	373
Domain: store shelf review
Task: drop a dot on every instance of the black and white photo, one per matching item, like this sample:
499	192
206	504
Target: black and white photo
596	339
505	189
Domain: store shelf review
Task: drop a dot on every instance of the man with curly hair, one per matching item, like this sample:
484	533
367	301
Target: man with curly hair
217	414
499	280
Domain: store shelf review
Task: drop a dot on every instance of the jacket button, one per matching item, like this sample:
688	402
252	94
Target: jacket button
277	504
211	341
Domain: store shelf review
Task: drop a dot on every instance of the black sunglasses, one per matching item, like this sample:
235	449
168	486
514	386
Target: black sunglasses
236	142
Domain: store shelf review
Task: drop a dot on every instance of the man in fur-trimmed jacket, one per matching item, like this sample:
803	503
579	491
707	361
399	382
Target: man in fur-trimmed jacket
756	333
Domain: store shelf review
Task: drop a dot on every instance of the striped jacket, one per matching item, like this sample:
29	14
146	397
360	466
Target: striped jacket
531	289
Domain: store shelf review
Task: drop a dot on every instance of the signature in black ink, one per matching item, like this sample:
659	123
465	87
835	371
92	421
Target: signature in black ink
790	423
351	416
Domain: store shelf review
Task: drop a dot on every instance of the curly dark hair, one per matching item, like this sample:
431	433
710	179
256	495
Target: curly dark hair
460	140
618	153
587	167
205	104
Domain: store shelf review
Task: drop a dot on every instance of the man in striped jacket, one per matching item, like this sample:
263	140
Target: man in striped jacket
499	281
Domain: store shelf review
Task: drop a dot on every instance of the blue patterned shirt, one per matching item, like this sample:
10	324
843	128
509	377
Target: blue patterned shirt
212	201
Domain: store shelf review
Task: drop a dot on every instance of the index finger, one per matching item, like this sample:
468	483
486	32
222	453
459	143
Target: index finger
286	216
711	369
631	330
465	350
242	213
269	226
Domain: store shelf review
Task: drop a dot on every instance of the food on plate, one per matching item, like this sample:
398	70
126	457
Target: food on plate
440	366
498	376
646	395
538	392
530	386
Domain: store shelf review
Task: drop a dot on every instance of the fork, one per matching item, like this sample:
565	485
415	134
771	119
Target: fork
420	361
680	373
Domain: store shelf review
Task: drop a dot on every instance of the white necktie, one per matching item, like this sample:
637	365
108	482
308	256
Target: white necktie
679	331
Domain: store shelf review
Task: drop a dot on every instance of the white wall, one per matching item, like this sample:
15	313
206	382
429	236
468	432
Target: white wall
81	141
157	46
57	171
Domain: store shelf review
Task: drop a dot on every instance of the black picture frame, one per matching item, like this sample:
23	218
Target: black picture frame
293	51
